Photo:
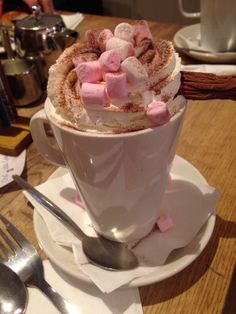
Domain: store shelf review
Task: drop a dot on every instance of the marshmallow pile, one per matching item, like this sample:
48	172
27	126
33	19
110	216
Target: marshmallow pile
117	72
117	81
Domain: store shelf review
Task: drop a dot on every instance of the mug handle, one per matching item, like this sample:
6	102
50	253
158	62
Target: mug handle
38	124
187	14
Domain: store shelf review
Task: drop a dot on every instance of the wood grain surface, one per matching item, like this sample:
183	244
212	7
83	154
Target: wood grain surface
208	141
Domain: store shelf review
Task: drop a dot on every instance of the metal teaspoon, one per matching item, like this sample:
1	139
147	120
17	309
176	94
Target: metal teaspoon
101	251
13	293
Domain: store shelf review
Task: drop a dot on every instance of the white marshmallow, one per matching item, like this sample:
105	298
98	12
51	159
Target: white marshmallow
124	48
124	31
136	74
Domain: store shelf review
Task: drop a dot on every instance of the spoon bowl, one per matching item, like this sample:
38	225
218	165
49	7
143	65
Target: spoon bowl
13	293
109	254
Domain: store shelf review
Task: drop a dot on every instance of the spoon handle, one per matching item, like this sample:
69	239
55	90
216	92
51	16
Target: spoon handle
62	305
51	207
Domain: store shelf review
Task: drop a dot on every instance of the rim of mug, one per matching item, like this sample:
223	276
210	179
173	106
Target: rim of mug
113	135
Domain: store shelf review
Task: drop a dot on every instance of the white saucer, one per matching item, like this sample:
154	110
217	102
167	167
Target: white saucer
63	258
193	31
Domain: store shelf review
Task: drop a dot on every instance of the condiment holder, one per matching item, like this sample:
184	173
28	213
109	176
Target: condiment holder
22	75
41	38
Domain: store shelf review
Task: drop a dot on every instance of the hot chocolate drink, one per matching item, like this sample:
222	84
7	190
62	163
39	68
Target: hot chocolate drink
116	116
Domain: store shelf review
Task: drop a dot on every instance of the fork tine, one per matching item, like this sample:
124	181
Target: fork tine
8	241
4	251
28	265
16	234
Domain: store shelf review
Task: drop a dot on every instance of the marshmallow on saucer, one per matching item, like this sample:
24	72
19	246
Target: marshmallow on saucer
158	112
136	73
116	85
124	31
110	60
165	223
89	72
94	94
124	47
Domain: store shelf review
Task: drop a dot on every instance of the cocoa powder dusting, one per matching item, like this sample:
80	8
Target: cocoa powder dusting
163	54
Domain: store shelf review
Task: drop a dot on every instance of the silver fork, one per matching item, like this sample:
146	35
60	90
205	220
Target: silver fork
24	260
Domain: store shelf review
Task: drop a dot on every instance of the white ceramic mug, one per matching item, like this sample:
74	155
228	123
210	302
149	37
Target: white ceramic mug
218	24
121	178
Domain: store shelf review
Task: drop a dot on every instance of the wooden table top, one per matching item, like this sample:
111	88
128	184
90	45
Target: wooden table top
208	141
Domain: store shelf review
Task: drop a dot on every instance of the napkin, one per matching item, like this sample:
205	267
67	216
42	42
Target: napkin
188	203
84	297
208	81
72	20
10	165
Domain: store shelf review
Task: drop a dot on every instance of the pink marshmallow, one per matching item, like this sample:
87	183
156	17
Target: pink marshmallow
116	85
136	73
78	201
124	31
141	31
94	94
89	72
103	38
84	57
165	223
91	37
158	112
124	48
110	60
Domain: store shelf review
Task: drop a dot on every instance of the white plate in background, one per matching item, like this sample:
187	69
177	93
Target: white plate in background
193	31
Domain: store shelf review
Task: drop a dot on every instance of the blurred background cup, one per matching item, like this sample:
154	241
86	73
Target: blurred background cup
21	75
218	24
23	80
